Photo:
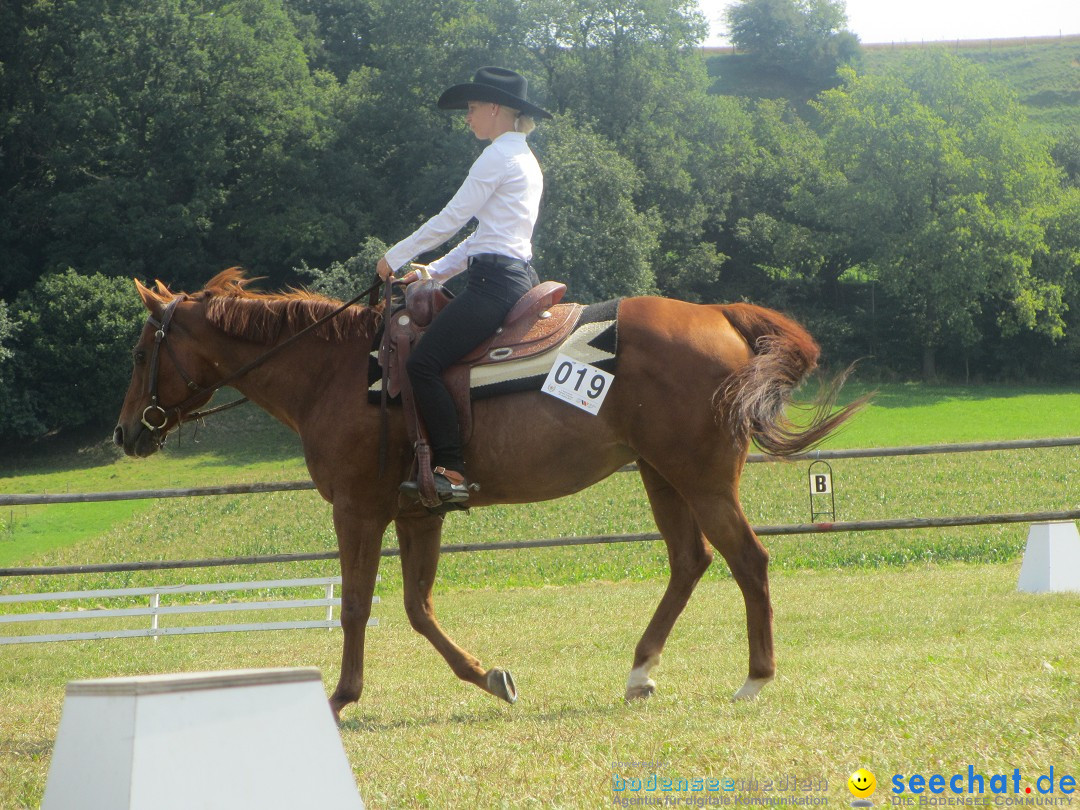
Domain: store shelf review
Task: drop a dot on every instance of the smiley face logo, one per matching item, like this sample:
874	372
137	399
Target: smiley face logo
862	784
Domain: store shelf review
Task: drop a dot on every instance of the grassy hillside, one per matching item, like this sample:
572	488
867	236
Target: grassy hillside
1045	73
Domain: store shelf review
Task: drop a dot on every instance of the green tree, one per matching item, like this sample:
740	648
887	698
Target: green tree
1058	268
631	70
767	230
626	68
344	280
72	355
1066	153
165	138
781	253
590	233
337	34
941	197
394	159
8	330
804	40
16	415
613	61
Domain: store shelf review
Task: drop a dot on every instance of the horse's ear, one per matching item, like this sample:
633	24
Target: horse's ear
150	300
161	289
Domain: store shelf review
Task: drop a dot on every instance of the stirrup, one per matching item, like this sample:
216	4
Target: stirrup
450	486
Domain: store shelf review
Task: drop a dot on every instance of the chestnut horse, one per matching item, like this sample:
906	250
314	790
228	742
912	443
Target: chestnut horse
694	384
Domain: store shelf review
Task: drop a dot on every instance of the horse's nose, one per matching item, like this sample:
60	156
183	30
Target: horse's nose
118	436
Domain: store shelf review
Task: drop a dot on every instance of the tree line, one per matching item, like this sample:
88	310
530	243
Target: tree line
909	216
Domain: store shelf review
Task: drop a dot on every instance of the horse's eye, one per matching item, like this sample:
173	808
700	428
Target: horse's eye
138	357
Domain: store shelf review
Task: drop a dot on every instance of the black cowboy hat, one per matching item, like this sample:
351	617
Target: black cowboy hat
497	85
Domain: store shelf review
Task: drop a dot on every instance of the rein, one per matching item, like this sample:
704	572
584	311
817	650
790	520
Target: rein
162	330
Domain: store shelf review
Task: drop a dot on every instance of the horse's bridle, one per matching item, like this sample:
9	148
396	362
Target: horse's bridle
160	334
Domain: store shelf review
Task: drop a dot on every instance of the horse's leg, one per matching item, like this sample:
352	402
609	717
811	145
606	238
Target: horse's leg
689	556
359	544
418	539
726	527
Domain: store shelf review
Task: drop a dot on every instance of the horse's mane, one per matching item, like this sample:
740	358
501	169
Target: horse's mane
261	316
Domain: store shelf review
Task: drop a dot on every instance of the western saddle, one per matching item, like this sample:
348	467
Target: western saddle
536	323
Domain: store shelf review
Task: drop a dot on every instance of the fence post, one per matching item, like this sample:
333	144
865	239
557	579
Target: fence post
329	608
155	603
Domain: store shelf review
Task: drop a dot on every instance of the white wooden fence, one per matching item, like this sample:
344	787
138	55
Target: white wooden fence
155	609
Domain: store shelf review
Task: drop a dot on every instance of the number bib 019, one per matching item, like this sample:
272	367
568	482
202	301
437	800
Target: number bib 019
580	384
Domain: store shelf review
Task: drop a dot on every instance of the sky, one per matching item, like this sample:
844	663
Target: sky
876	21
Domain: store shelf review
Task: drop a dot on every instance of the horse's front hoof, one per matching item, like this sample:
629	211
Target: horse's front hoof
642	691
338	701
501	684
750	689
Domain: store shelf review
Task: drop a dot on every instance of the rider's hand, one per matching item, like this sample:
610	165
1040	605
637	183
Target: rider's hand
383	269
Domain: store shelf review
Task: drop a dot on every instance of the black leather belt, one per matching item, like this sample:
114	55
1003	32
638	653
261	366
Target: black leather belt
496	260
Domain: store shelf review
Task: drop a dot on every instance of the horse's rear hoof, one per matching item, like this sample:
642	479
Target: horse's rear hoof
750	689
501	684
640	692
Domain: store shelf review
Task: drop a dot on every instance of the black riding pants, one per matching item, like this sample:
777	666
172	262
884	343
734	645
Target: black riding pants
494	286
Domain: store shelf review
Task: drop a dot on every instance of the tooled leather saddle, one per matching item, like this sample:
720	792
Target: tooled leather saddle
535	324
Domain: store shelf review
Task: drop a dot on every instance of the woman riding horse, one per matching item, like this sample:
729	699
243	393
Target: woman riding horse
502	191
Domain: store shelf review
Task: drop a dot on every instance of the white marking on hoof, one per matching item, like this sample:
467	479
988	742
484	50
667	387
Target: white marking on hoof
639	685
501	684
750	689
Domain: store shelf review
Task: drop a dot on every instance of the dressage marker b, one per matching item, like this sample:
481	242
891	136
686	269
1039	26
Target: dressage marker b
821	492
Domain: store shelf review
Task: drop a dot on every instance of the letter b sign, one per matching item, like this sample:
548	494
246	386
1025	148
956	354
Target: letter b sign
820	484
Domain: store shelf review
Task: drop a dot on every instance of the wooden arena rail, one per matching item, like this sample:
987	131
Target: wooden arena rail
796	528
753	458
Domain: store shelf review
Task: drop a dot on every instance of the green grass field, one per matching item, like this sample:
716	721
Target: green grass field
922	669
899	651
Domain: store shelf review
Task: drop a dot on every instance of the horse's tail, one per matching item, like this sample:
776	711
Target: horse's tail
755	398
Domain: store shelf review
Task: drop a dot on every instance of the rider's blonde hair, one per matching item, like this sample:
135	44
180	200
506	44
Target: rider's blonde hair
524	123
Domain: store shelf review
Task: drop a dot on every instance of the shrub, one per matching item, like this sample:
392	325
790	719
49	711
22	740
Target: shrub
69	361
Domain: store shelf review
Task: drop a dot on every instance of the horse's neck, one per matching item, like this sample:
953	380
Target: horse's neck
286	383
